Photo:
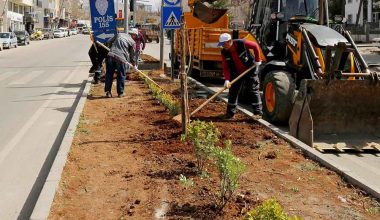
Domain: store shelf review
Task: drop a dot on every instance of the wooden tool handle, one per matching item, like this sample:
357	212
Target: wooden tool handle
146	76
221	90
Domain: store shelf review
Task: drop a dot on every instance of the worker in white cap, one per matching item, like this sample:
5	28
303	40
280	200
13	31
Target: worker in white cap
140	42
236	58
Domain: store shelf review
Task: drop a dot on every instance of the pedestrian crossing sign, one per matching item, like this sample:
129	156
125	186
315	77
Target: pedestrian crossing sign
171	17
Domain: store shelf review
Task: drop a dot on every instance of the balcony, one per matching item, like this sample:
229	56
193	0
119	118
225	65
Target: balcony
24	2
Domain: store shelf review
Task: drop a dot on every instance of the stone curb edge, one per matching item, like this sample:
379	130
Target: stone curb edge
310	152
42	208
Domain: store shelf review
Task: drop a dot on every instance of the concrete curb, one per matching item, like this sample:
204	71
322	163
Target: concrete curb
309	151
42	208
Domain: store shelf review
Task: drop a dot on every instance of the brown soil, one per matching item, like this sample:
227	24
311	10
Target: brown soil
126	160
148	59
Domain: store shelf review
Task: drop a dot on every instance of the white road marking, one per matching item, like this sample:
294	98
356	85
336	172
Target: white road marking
56	78
24	79
28	124
6	75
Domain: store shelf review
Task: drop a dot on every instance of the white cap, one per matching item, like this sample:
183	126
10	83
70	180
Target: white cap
223	38
134	31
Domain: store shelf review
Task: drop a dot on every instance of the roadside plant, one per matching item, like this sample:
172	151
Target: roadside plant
270	209
186	182
203	136
165	98
230	169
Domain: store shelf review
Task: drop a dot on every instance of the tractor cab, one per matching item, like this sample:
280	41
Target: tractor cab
272	19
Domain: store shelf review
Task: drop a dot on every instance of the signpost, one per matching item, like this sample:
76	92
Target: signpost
103	19
172	18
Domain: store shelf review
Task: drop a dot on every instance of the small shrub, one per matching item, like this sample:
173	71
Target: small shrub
308	166
165	98
203	137
230	168
185	181
270	209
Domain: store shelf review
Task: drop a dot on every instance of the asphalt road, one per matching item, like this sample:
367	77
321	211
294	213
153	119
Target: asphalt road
39	88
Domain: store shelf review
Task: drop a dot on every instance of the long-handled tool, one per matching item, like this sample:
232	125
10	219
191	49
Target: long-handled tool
129	64
178	117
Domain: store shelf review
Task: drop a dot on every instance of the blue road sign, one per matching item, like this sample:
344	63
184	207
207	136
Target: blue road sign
171	17
172	2
103	19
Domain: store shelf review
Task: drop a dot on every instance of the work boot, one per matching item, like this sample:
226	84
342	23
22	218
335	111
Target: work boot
228	116
92	69
258	113
108	94
121	95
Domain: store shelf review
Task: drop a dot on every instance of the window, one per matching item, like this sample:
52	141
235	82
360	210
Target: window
10	6
15	8
349	1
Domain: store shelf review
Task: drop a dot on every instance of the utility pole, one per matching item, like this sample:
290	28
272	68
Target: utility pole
162	40
126	20
172	57
185	96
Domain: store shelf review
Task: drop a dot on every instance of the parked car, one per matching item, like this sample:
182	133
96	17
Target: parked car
86	31
8	39
59	33
22	37
73	31
48	33
65	31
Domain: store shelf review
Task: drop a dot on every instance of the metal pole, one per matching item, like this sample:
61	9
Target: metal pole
162	41
172	53
134	13
126	20
185	97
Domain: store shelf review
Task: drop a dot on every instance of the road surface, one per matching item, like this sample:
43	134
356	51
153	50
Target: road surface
39	88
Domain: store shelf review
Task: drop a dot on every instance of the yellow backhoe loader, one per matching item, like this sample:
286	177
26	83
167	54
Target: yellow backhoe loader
314	77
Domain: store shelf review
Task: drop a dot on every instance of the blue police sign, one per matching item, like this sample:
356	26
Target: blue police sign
103	19
171	17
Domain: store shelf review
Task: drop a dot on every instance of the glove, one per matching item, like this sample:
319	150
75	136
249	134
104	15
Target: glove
257	68
227	84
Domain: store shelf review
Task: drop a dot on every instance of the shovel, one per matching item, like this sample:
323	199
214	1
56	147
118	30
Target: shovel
178	118
129	64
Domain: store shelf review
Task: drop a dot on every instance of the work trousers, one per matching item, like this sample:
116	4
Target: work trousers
121	69
252	82
97	57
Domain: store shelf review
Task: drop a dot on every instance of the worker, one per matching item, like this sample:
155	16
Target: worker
122	51
97	55
139	39
236	58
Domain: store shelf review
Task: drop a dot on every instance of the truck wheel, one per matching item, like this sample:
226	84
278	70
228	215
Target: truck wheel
278	98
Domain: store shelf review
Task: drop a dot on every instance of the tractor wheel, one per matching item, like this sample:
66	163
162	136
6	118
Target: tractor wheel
278	98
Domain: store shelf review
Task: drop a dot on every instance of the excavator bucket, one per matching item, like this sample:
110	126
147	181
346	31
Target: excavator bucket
339	115
206	14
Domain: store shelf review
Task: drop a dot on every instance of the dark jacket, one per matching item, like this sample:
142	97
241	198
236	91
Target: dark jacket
123	48
244	54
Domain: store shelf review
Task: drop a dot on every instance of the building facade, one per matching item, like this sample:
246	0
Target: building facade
352	9
14	14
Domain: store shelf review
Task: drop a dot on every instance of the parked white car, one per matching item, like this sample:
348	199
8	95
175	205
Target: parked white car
65	31
59	33
73	31
8	40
